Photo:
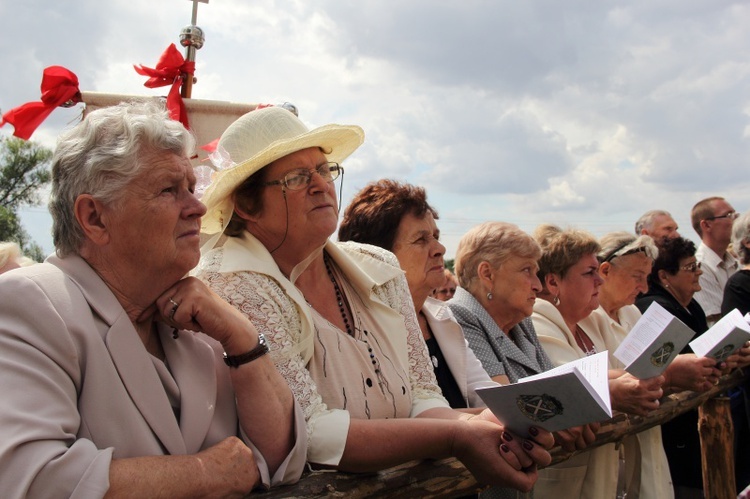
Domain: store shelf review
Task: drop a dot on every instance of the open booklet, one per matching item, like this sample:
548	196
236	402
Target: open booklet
653	343
723	338
572	394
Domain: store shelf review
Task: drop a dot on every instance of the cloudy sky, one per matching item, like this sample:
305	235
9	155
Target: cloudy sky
583	113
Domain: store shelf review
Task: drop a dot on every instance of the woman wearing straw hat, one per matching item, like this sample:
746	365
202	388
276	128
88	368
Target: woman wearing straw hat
338	317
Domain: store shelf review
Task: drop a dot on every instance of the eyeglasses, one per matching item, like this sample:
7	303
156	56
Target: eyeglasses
298	179
691	267
731	215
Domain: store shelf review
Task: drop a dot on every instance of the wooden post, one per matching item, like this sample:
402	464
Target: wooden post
717	448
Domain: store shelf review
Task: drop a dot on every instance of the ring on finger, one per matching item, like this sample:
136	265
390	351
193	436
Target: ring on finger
174	308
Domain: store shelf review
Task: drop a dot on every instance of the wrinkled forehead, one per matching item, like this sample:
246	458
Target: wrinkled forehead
634	262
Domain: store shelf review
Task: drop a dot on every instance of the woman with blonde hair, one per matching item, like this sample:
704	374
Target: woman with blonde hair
496	265
12	258
568	271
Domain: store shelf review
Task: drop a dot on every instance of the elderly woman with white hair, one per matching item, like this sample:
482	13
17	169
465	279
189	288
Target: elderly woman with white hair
625	264
339	317
121	376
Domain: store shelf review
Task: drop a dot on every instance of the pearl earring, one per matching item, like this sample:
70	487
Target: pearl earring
489	295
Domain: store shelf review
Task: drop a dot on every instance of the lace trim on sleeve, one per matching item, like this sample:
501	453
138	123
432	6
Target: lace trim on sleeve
265	303
395	294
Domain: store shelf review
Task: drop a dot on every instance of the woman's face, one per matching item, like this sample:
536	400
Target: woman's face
420	253
625	278
685	283
155	226
312	211
579	289
514	288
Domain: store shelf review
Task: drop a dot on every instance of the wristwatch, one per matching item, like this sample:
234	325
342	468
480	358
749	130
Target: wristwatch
259	351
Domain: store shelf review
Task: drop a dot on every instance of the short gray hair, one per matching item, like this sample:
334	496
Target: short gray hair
647	220
740	235
618	244
102	155
492	242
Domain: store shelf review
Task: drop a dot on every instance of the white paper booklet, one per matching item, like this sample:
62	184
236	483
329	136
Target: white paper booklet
573	394
723	338
653	343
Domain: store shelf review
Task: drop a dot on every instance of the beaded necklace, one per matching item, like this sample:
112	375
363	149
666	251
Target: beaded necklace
341	303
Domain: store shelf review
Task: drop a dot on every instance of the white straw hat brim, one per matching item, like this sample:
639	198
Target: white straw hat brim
273	132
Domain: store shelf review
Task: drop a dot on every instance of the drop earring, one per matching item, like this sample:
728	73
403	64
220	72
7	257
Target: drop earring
489	295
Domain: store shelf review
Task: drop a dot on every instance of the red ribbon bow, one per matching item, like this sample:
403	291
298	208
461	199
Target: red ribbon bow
59	86
169	71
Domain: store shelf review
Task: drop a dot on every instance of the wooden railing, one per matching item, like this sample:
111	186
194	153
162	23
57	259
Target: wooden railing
448	478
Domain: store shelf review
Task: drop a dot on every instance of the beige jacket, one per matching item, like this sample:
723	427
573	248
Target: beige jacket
79	388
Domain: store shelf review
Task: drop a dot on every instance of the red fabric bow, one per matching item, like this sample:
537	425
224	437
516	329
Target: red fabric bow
169	71
59	85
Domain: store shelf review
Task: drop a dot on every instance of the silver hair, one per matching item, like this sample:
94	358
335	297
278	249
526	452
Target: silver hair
741	235
102	155
618	244
647	220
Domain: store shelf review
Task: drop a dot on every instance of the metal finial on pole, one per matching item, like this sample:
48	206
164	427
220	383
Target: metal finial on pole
191	37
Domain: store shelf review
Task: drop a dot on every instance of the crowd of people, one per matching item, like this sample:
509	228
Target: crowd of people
175	346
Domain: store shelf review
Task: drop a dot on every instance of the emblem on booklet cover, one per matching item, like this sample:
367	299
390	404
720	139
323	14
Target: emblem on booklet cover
539	408
722	353
661	356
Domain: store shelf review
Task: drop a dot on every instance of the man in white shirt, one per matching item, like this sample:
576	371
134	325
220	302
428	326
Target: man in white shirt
658	224
712	219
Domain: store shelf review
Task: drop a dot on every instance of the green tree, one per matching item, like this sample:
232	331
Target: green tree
24	170
449	264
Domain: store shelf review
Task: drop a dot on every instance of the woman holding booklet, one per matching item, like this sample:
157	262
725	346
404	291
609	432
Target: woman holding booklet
568	271
625	263
672	283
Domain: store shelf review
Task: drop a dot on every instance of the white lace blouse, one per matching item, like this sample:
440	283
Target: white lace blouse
243	273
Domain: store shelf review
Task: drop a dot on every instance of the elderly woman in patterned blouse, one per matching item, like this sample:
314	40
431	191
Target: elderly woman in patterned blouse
496	265
338	317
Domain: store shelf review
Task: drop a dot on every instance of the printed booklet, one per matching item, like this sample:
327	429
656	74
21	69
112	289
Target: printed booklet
653	343
572	394
723	338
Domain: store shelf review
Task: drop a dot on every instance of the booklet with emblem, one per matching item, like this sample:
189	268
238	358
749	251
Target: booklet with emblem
653	343
572	394
723	338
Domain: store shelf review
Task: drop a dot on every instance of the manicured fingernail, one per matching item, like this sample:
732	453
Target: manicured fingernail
528	445
507	436
504	448
533	431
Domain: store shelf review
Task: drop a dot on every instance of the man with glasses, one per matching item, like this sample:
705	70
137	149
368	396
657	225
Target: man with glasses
712	219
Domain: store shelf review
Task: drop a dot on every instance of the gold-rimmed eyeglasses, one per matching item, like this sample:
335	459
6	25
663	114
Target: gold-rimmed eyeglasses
299	178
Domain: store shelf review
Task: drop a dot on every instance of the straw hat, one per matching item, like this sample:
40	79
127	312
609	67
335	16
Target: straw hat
259	138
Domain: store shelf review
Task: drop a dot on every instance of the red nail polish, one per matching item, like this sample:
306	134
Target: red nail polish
527	445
